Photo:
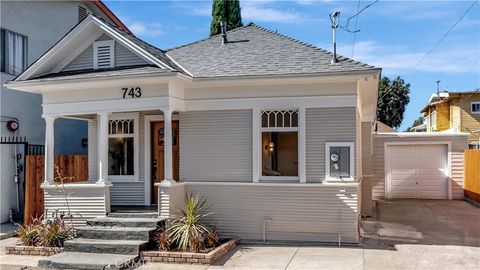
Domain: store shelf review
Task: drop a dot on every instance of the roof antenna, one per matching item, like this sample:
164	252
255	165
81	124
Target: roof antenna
223	28
438	89
333	18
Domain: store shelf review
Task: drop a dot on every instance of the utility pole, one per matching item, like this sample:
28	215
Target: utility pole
334	19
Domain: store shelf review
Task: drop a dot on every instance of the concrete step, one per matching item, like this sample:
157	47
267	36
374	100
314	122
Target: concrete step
127	214
126	247
115	233
90	261
127	222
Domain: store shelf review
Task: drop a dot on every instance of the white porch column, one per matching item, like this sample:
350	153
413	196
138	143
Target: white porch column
49	175
102	154
168	154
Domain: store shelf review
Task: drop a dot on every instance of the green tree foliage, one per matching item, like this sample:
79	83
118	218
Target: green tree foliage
226	10
392	100
417	122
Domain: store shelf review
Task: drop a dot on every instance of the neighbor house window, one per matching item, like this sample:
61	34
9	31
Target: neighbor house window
122	152
433	119
475	107
13	52
339	161
279	139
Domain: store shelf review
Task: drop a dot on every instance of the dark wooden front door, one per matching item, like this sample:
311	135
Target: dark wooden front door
158	140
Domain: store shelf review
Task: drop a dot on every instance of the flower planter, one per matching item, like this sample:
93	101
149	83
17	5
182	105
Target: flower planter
189	257
35	251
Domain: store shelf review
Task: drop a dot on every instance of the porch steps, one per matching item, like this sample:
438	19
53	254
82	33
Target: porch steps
128	214
112	242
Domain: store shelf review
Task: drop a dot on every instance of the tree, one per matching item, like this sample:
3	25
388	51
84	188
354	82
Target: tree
225	10
417	122
392	100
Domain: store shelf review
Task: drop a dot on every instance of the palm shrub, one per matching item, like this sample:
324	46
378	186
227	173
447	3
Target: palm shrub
186	229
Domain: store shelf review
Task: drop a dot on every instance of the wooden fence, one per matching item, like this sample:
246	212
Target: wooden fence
472	174
73	167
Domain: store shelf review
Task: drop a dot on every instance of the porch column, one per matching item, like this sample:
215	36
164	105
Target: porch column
49	176
168	154
102	153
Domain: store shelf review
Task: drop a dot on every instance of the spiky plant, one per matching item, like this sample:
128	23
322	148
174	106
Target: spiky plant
28	234
55	234
187	225
163	240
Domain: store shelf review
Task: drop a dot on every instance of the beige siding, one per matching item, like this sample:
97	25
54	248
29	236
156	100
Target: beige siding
367	148
377	183
84	203
468	121
298	212
123	57
127	193
326	125
216	146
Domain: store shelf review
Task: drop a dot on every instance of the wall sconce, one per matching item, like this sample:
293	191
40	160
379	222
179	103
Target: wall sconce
271	147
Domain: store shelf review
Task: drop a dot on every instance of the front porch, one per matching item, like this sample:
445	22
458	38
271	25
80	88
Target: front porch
128	154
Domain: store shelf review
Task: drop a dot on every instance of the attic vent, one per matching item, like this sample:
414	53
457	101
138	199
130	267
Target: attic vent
103	54
82	13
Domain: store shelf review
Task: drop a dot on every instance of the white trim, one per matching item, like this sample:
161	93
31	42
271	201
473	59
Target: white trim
135	136
302	169
474	102
449	162
331	184
104	43
327	160
279	178
421	134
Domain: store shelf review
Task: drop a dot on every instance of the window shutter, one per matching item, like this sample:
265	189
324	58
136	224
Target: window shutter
103	54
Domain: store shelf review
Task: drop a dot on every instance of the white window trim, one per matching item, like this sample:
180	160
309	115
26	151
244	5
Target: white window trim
471	104
257	146
111	44
136	161
327	160
433	119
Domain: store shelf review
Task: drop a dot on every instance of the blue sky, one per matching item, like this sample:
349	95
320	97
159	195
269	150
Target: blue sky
393	35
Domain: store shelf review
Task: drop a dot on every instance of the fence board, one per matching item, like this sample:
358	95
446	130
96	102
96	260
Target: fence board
472	174
75	167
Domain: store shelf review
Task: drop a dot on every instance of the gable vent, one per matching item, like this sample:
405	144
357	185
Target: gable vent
103	54
82	13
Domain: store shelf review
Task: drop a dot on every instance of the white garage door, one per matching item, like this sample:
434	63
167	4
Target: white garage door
417	171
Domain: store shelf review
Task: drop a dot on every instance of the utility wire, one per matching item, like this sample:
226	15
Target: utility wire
446	34
355	29
439	41
347	23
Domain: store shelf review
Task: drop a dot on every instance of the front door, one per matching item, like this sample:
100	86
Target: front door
158	139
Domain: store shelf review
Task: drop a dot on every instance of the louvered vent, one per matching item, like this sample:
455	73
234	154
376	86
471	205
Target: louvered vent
103	53
82	13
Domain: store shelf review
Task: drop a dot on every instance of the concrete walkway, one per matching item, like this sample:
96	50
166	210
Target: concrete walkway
8	261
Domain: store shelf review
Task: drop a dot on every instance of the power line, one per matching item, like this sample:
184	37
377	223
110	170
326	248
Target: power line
446	34
355	33
347	23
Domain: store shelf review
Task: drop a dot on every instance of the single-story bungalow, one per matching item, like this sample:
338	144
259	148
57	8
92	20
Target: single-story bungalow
275	135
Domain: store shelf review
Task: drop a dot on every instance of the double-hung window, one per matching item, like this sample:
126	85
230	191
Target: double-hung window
123	147
475	107
279	144
13	52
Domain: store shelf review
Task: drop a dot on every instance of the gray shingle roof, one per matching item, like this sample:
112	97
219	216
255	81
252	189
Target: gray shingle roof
252	50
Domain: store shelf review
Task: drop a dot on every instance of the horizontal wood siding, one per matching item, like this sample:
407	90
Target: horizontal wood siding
301	212
123	57
216	146
92	150
326	125
84	203
377	182
127	193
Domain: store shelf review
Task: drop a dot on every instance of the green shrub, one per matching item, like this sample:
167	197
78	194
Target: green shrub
187	230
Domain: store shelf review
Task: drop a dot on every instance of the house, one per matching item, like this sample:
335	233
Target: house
29	29
277	138
455	111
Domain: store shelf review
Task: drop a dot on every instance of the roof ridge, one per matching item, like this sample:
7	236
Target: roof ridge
208	38
341	57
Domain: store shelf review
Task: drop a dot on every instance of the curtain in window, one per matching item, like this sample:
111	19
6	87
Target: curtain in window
14	52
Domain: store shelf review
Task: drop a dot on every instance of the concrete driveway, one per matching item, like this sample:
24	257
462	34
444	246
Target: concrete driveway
407	234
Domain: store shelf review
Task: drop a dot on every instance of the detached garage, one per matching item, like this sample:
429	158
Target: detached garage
413	165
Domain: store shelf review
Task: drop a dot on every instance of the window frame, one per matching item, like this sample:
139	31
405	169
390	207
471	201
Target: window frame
24	51
328	145
471	107
101	43
258	147
433	119
136	152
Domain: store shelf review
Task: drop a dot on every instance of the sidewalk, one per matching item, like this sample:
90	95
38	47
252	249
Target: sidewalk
8	261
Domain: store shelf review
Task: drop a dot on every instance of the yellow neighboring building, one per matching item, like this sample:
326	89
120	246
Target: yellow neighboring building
455	111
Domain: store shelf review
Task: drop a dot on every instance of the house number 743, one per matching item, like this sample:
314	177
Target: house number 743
133	92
